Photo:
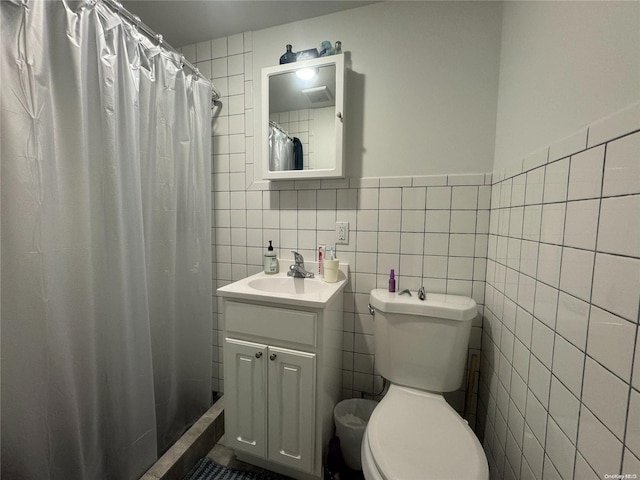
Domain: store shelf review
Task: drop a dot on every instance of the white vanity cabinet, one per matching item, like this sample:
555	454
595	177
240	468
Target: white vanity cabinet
282	378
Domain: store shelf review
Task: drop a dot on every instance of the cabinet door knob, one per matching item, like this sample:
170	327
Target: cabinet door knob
273	356
258	354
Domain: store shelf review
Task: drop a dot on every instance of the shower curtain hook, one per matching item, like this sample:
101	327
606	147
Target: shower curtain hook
159	39
181	61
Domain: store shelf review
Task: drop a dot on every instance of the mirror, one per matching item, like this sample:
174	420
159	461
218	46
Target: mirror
303	119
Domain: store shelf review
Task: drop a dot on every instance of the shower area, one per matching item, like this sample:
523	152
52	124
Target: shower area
106	282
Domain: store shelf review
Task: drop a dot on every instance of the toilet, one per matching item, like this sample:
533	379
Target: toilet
421	349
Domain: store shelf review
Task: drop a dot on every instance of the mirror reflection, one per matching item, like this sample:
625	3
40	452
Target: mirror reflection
302	119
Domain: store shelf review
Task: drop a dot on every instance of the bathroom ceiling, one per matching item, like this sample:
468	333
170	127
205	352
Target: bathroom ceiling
183	22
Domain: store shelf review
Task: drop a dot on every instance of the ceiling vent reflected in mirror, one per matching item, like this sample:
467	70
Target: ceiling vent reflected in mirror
318	94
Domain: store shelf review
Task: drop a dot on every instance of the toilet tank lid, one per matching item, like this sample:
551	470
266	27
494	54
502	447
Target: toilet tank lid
438	305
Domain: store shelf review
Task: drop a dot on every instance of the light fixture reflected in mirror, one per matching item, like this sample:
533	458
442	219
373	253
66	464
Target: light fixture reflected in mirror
306	73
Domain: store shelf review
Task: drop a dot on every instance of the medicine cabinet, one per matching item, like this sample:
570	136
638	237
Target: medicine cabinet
303	119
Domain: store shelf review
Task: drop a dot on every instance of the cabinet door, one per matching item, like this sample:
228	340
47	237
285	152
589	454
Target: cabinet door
245	396
291	407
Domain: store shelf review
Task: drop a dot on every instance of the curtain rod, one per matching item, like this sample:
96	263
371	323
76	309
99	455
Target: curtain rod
277	126
135	19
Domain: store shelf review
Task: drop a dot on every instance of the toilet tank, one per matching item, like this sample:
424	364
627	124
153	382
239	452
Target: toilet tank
422	343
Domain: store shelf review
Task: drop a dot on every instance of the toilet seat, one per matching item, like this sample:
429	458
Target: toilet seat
416	435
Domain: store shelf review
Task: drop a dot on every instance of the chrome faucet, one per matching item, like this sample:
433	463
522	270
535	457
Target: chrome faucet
297	269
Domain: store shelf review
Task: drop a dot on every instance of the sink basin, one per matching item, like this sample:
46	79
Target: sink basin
289	285
279	288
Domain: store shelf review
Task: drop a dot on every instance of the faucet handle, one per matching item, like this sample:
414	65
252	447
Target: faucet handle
297	258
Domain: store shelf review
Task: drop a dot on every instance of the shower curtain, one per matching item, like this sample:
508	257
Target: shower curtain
280	150
105	244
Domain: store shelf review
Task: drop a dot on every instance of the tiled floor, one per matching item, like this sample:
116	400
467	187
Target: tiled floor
223	455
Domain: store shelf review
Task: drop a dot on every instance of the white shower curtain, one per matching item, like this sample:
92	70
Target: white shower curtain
280	150
105	244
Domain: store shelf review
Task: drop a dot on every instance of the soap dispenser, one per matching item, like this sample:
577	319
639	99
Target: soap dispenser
270	261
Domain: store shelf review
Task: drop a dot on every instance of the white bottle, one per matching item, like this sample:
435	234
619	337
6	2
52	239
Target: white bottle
270	261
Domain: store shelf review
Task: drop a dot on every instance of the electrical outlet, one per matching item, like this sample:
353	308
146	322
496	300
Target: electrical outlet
342	232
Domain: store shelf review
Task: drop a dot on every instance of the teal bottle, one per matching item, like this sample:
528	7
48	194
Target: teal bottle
288	56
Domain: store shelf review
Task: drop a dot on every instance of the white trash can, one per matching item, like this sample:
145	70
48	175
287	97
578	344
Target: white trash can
351	417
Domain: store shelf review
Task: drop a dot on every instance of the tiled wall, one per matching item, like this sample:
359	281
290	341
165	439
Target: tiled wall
560	371
430	229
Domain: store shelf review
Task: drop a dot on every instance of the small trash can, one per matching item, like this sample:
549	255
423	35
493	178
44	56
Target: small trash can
351	417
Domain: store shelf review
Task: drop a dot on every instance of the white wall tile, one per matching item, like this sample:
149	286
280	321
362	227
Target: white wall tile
635	381
366	241
585	177
552	226
632	439
619	227
568	365
391	198
388	242
437	220
413	220
546	305
435	266
600	448
583	470
615	125
536	417
460	268
219	47
610	409
388	221
573	320
616	285
463	221
581	224
367	220
438	198
436	244
411	243
531	222
549	264
611	342
464	198
414	198
535	159
524	322
235	66
555	181
539	378
568	145
560	450
533	453
622	166
396	181
235	44
535	186
410	266
576	272
542	343
368	199
564	408
630	463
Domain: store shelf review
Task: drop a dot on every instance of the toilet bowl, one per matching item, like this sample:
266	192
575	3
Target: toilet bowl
416	435
421	348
